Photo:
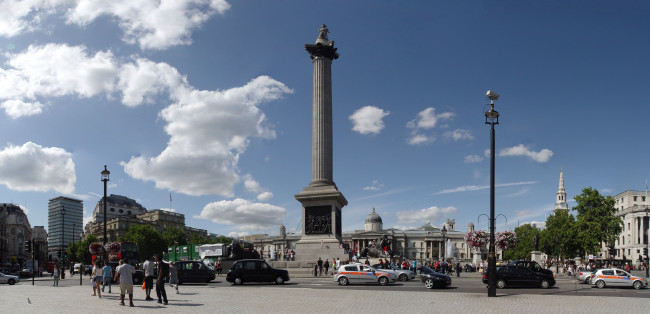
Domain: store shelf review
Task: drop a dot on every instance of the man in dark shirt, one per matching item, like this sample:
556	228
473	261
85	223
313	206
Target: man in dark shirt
163	272
320	267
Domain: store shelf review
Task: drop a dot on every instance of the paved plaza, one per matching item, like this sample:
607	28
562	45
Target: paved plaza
221	297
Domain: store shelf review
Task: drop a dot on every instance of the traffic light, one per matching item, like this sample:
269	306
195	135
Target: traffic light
612	251
28	246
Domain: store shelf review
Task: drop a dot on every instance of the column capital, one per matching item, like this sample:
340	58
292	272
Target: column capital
326	50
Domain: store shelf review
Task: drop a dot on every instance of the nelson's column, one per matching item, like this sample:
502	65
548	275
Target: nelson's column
321	200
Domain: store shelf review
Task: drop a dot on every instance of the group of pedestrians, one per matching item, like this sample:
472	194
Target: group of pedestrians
123	275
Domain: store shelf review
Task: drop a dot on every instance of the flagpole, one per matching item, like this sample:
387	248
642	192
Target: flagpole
170	201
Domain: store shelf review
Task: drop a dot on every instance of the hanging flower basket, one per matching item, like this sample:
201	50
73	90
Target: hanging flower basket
476	239
506	240
113	247
96	248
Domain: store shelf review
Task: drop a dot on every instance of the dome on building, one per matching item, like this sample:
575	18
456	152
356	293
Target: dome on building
373	217
373	222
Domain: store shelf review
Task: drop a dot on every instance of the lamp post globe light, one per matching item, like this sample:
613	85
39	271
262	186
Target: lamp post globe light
444	234
492	118
105	179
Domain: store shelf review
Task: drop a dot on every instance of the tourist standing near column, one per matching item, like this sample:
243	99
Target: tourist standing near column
173	276
107	277
55	275
124	276
148	278
163	272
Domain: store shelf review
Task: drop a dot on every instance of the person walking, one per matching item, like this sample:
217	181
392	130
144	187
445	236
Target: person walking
55	275
173	276
320	266
326	266
106	281
97	278
163	272
218	268
148	278
124	277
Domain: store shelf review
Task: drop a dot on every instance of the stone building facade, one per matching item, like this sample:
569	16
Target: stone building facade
15	229
423	243
632	207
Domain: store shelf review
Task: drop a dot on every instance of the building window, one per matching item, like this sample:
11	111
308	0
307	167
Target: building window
128	212
635	198
112	209
121	211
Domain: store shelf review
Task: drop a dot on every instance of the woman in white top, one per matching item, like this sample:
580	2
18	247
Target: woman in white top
98	276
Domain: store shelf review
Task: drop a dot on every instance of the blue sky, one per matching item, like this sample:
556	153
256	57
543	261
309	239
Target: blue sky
211	101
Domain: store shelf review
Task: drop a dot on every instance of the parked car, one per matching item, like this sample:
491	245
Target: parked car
432	279
584	276
9	279
26	272
193	271
512	276
533	266
401	274
358	272
617	277
255	270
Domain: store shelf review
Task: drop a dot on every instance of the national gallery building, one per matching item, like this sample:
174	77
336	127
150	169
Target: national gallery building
423	243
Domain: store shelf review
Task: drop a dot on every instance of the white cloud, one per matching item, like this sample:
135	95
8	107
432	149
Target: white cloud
238	235
375	186
153	24
368	120
459	134
405	227
31	167
427	119
208	131
428	214
420	139
520	150
482	187
53	70
244	214
264	196
470	159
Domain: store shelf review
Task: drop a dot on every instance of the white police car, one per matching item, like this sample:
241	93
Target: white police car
617	277
357	272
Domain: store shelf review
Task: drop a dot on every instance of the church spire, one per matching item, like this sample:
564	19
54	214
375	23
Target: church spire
560	200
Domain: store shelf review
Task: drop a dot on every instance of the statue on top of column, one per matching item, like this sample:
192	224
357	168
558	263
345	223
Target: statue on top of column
322	33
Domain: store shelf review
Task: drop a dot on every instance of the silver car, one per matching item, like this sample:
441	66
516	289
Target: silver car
617	277
401	274
358	272
8	279
584	276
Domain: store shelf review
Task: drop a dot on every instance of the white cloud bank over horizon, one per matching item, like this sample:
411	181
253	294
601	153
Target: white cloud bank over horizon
432	213
466	188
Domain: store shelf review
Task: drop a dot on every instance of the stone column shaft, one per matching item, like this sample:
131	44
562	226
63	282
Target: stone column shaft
322	122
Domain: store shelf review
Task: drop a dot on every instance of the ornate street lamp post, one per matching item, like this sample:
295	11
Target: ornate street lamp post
444	234
81	262
105	174
492	118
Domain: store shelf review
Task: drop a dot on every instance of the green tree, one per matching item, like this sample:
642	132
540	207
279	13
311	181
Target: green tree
199	239
525	245
221	239
81	253
559	238
596	220
174	234
149	241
